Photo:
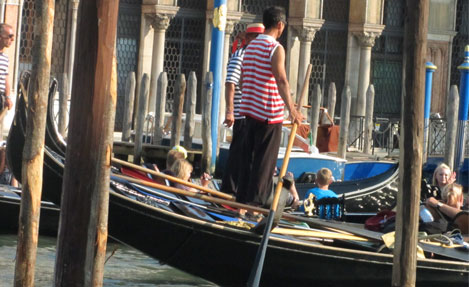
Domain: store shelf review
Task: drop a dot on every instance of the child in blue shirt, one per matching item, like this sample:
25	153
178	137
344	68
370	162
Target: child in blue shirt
323	180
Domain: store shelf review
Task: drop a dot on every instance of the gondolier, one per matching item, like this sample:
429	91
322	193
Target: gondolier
265	92
232	116
6	38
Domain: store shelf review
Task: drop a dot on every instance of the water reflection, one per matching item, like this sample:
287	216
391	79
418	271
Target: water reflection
126	267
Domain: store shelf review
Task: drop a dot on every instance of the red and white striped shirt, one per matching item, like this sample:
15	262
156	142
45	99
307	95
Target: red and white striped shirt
261	99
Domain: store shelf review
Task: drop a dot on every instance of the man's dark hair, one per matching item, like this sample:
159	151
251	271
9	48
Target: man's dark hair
273	15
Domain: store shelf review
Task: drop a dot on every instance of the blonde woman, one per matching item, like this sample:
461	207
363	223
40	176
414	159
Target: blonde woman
182	169
443	176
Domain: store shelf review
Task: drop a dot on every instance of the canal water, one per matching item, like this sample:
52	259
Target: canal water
126	267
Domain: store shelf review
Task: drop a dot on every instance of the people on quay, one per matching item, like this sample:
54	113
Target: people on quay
6	39
265	92
232	116
182	169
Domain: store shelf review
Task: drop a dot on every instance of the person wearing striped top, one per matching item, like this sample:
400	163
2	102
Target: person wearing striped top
265	92
6	38
232	116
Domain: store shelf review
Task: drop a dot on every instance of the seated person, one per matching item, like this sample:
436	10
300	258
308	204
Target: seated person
6	176
291	201
323	179
450	206
182	169
177	152
451	203
293	198
442	176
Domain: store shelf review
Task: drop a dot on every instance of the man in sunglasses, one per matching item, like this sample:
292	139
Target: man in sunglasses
6	38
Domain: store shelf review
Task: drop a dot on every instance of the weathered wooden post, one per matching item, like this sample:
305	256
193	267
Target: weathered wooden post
411	141
33	152
331	100
178	106
304	91
451	125
206	124
315	109
63	109
370	102
128	106
160	107
89	150
344	121
190	110
140	121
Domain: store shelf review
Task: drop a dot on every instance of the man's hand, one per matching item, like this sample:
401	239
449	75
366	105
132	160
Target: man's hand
296	116
229	119
8	103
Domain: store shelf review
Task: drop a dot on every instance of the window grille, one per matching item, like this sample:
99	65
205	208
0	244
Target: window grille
128	34
184	47
191	4
460	40
257	7
386	62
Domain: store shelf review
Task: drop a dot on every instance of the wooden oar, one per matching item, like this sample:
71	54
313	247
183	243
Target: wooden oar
193	194
175	179
316	233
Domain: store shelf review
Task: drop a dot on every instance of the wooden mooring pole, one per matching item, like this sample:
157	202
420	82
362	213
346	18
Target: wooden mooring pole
344	122
160	108
128	106
140	119
411	143
189	126
451	125
206	124
178	106
82	235
33	152
331	99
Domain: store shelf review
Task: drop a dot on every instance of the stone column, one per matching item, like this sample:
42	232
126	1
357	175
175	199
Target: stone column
366	41
226	53
2	10
306	35
159	24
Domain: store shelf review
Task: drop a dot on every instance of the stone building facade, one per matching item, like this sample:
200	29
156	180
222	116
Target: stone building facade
348	42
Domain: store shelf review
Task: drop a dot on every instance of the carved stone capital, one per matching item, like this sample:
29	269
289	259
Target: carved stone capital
229	28
305	33
366	39
159	21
